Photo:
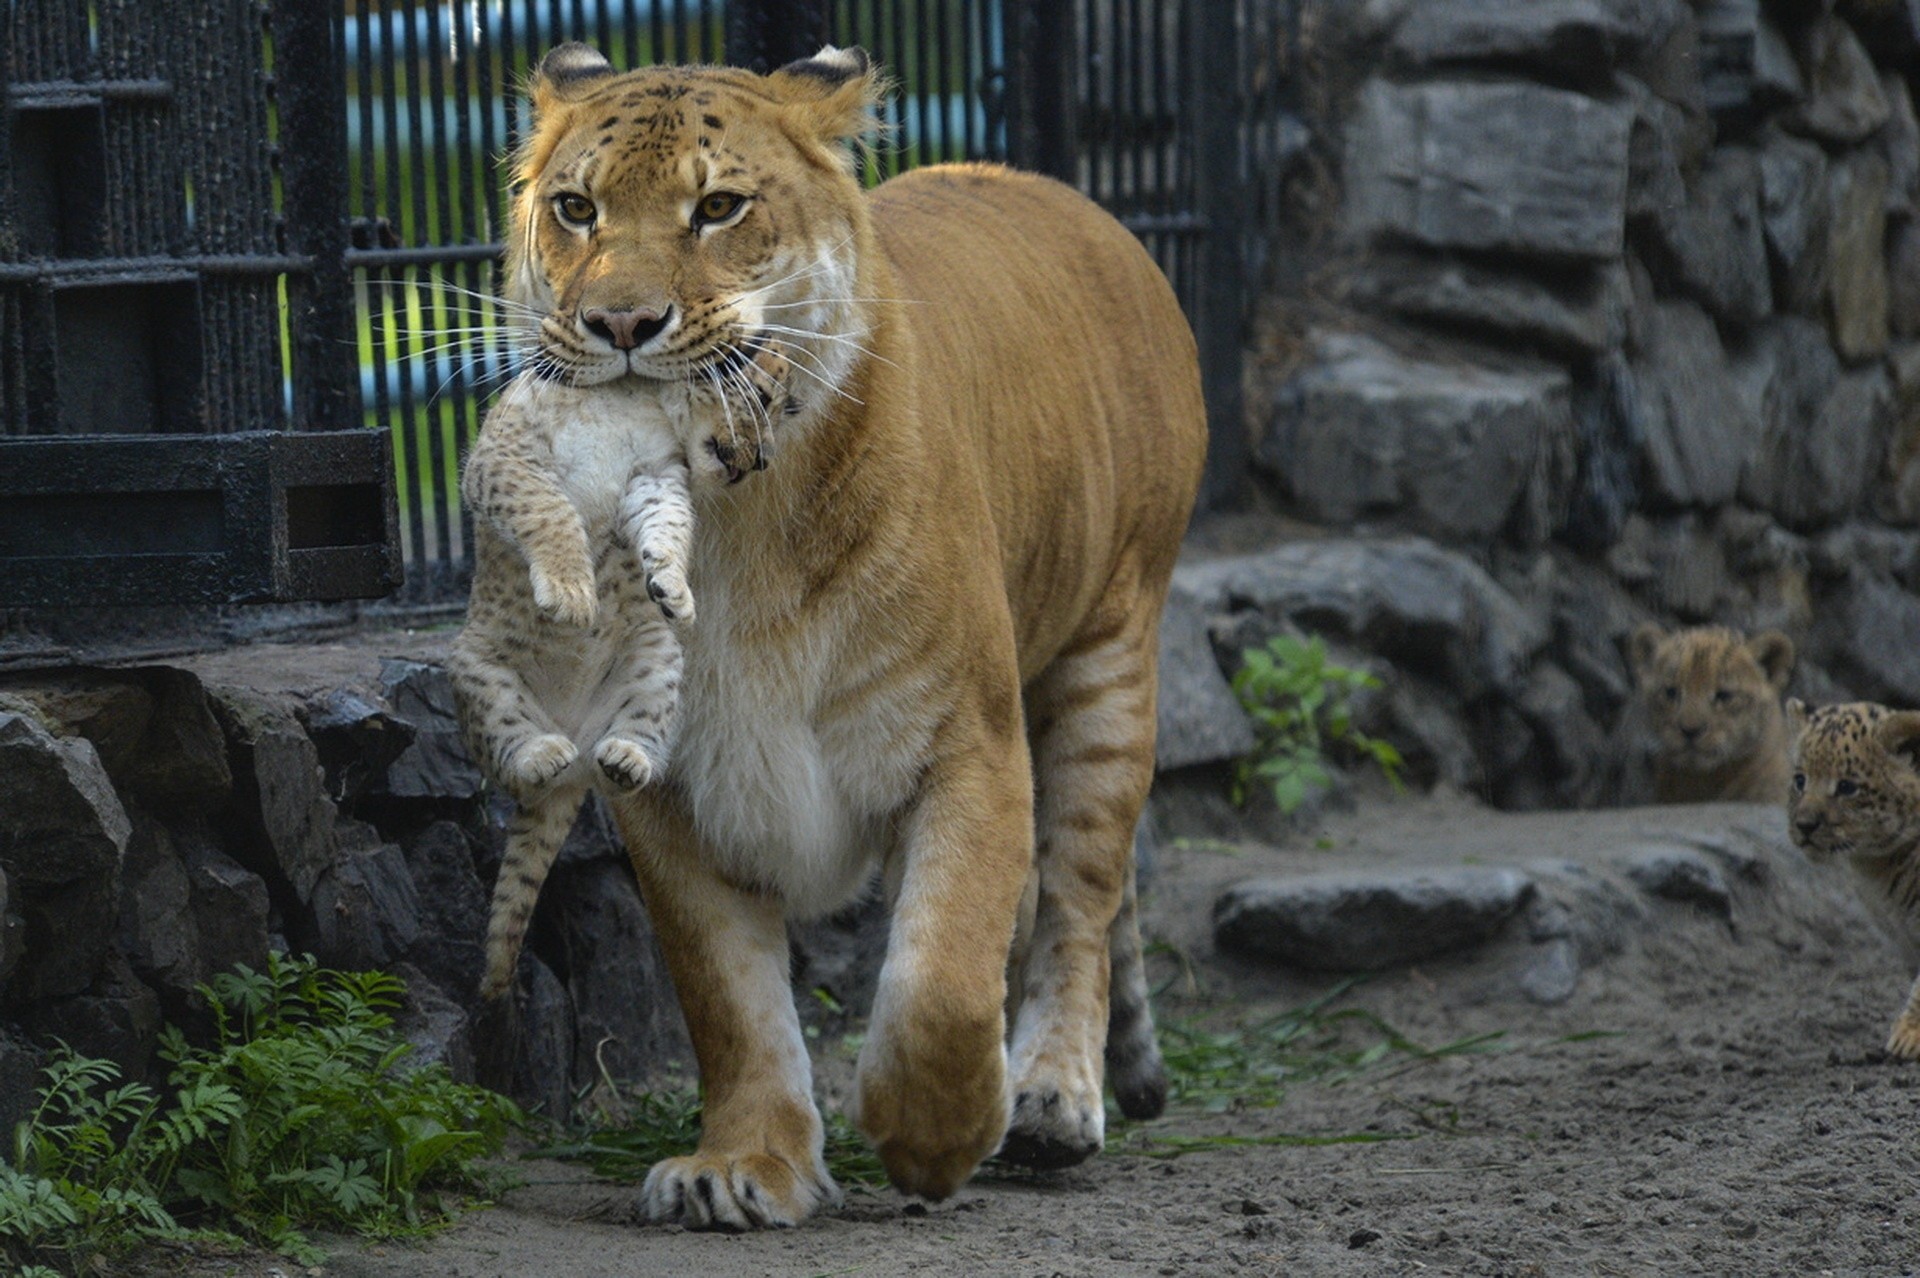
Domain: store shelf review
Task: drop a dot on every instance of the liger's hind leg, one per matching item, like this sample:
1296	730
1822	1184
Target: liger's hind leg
1091	722
1135	1071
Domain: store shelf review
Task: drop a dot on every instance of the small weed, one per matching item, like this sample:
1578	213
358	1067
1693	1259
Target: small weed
1300	705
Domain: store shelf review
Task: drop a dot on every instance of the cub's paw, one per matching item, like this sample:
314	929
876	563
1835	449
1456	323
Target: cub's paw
1904	1042
626	763
667	586
933	1110
1055	1122
537	761
752	1191
567	599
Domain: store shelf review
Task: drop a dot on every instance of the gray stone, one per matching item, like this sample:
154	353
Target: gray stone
453	909
1744	61
1845	103
364	912
626	1017
1783	375
1424	724
840	955
1664	143
1199	718
1713	245
158	932
283	824
1889	29
1426	609
230	906
1555	708
357	742
1795	210
1584	312
1902	501
436	765
115	1017
435	1024
60	820
1899	142
1686	409
153	728
1367	923
20	1063
1872	635
1903	281
1676	560
1552	973
1681	874
1512	167
1851	549
1447	449
1857	295
1576	37
537	1024
13	934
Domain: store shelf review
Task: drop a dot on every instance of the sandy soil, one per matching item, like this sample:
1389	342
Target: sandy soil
1740	1119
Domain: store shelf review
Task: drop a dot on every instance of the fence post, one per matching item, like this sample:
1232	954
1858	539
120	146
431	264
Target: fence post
1043	107
1217	135
764	34
310	86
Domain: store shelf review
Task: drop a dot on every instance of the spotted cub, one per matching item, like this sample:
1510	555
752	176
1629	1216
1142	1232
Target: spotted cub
1711	699
1855	798
567	673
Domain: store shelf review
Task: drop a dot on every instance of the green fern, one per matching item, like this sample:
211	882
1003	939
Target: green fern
1301	708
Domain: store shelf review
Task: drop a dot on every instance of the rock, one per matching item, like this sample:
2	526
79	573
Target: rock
1871	633
60	820
1509	167
537	1024
282	822
1579	312
1606	483
1903	452
1424	725
1448	449
1664	142
626	1017
357	742
1200	719
1713	246
435	1024
1427	609
436	765
13	935
1889	29
1552	973
1783	375
1555	708
153	728
1903	281
158	932
1795	212
1681	874
230	907
117	1018
1686	409
364	912
1745	63
451	945
1899	141
1367	922
1857	294
1864	548
1845	103
841	955
1572	37
20	1063
1676	560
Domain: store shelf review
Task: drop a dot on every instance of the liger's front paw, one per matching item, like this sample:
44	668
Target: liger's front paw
751	1191
934	1110
569	599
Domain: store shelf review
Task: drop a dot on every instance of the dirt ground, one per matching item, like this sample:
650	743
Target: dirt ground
1737	1118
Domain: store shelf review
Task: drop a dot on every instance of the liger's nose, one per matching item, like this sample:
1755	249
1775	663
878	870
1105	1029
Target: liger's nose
1808	824
625	328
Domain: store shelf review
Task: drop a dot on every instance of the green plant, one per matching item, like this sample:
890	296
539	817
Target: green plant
301	1112
1300	704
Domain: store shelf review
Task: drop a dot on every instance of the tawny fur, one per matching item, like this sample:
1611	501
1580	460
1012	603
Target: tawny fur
1854	797
1710	697
928	632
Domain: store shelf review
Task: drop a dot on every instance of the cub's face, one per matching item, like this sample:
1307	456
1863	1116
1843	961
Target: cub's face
1854	791
674	223
1710	695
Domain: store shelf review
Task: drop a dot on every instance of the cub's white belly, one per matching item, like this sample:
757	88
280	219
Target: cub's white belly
787	803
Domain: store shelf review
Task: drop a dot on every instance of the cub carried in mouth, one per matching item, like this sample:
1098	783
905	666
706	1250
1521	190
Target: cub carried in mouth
567	672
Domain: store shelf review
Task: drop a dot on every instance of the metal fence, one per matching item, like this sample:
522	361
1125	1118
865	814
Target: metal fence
236	229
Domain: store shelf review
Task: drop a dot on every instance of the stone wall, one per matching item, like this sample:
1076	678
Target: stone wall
1607	310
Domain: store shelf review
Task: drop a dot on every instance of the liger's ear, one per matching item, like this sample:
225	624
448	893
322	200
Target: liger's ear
837	92
1641	645
564	73
1774	652
1796	719
1899	733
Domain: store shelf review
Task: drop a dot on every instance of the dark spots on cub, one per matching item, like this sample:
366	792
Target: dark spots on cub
706	144
711	121
606	139
609	122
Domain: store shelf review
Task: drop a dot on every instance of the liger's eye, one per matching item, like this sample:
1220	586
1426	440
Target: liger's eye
717	207
1722	695
1671	692
574	209
1799	782
1845	787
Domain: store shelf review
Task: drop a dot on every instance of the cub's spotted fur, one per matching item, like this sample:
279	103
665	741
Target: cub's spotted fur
1711	698
566	675
1855	798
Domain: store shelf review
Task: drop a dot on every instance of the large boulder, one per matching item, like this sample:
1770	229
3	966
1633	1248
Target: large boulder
1427	609
1507	167
1449	449
364	910
1857	291
1199	718
1745	62
1795	212
358	742
453	908
282	822
1845	102
153	728
1686	410
1574	37
1871	636
1581	312
1367	922
1713	245
435	766
1822	433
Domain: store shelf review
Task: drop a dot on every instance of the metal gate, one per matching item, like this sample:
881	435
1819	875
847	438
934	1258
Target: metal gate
233	232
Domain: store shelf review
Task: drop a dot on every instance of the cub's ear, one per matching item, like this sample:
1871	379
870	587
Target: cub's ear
1641	646
565	72
1899	734
836	92
1796	719
1774	652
